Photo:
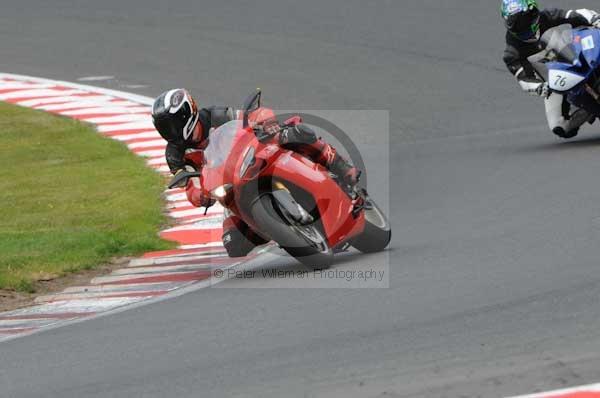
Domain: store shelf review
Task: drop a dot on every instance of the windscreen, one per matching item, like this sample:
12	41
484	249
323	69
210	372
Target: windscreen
220	143
559	41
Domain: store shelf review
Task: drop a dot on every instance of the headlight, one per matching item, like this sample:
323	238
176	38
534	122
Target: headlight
221	192
248	161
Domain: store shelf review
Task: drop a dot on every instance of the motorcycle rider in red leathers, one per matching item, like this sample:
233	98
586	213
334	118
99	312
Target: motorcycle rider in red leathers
187	129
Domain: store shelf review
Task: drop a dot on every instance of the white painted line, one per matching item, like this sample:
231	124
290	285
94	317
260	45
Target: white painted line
82	307
143	262
94	295
4	85
129	137
124	108
123	287
207	223
91	305
40	92
147	124
119	278
201	245
182	203
178	204
161	269
160	161
147	144
177	197
119	118
160	166
18	323
69	103
96	99
197	211
94	78
152	153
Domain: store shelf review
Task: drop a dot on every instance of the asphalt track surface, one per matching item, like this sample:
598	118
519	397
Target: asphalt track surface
495	280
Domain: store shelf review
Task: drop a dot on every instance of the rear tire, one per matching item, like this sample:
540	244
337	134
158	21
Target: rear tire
306	243
377	233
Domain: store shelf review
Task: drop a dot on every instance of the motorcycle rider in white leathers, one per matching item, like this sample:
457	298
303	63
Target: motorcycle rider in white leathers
525	24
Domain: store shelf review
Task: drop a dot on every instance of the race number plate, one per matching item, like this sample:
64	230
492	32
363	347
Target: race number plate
560	80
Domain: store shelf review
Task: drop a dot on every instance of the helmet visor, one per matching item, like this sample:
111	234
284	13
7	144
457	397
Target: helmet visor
524	25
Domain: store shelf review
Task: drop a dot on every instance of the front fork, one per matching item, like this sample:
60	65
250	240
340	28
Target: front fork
291	209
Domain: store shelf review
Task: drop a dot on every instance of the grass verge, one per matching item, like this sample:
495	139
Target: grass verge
70	199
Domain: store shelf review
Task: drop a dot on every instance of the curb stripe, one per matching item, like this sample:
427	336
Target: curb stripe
589	391
169	277
16	331
182	252
168	286
85	296
124	117
194	236
58	315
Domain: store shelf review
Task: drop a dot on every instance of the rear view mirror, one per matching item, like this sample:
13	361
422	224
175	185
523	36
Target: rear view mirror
251	104
181	178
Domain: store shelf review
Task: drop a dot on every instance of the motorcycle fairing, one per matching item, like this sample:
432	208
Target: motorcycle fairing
335	210
564	76
272	164
588	40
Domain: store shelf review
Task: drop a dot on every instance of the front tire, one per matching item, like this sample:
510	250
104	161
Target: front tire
306	243
377	233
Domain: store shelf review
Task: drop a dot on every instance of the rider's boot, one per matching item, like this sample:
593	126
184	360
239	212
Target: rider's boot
238	238
559	131
303	139
347	173
571	127
349	177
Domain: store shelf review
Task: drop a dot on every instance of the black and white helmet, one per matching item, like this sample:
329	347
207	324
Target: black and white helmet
175	115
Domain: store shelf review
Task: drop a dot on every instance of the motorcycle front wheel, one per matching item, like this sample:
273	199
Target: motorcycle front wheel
377	233
306	243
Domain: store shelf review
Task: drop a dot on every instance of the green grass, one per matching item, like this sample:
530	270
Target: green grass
70	199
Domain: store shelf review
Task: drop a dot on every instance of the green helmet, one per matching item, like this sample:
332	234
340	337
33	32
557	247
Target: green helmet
522	19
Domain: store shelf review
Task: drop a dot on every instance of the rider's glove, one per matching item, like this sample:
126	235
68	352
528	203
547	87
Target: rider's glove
195	193
352	176
543	90
207	201
534	87
531	84
271	126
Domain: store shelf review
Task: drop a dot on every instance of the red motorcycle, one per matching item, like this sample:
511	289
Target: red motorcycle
284	196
